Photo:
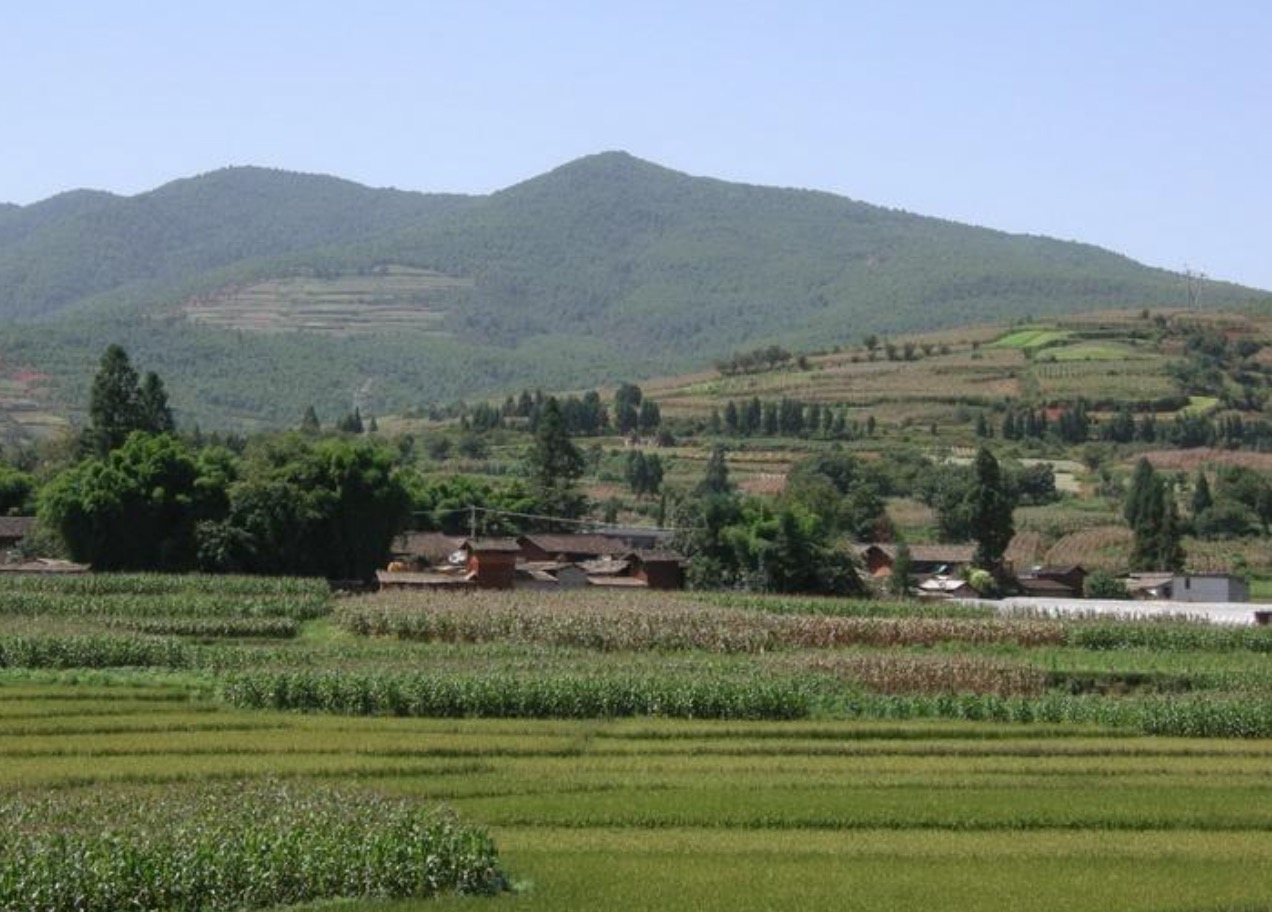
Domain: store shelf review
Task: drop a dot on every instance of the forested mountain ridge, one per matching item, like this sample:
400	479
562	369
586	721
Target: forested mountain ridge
258	292
67	249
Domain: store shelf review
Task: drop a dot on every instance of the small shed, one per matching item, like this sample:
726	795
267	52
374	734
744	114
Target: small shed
1058	582
659	569
1208	587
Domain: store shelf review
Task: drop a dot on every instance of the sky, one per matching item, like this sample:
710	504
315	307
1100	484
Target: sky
1144	126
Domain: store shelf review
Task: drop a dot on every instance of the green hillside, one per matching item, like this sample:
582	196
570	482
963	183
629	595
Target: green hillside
256	293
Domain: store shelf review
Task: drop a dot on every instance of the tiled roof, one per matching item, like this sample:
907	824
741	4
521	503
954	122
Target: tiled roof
576	544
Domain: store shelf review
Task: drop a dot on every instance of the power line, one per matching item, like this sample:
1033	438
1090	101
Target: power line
473	509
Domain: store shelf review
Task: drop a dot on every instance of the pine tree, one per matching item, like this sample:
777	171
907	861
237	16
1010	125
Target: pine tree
1201	499
991	513
715	477
309	423
121	403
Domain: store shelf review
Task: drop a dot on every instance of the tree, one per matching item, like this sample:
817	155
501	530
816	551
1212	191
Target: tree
555	466
309	423
902	568
137	508
16	489
649	418
326	508
715	475
154	415
1201	499
627	400
1140	493
1104	585
114	408
991	513
1155	523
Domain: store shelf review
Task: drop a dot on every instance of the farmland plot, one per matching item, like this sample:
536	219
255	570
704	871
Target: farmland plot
891	755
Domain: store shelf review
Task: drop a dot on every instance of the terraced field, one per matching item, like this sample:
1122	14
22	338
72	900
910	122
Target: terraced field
388	299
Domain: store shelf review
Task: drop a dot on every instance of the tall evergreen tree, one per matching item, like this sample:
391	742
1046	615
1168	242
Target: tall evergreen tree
120	403
154	414
715	477
991	513
556	465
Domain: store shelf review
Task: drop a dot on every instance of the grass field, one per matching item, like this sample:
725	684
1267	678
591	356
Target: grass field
877	796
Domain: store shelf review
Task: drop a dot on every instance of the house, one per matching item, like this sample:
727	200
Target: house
13	529
569	547
659	569
639	538
1055	582
925	560
550	575
1208	587
1149	585
425	549
405	580
946	587
492	562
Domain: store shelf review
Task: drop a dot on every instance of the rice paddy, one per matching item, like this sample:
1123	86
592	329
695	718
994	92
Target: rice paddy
878	796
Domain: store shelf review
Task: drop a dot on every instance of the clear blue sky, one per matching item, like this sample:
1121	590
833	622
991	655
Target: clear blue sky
1140	125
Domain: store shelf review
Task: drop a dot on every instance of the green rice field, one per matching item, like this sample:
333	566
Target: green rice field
853	756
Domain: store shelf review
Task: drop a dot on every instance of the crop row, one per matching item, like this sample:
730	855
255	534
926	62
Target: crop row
633	624
1167	636
1188	717
231	846
553	695
885	673
878	608
23	602
93	651
94	584
279	628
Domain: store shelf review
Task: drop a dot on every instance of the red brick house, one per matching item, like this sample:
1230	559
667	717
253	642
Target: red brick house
492	562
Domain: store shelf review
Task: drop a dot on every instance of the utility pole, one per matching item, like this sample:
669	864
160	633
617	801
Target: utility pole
1194	278
472	522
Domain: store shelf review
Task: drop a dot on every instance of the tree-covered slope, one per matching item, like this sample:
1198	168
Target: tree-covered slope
75	246
608	267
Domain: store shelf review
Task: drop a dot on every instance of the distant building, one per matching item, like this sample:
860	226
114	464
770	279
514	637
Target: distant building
428	549
925	560
659	569
1055	582
943	587
492	562
571	547
1208	587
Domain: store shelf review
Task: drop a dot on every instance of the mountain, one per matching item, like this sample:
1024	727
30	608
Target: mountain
255	293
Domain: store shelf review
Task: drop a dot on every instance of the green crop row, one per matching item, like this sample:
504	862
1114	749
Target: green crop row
22	602
231	846
280	628
1163	636
1190	717
557	695
93	584
93	651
